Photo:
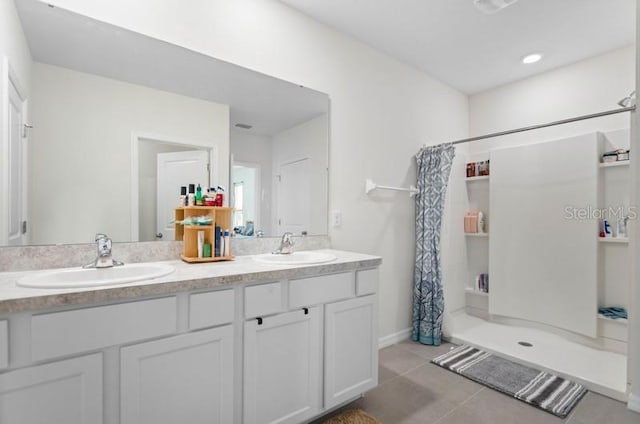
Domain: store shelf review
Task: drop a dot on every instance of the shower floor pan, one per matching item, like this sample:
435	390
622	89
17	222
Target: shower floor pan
599	371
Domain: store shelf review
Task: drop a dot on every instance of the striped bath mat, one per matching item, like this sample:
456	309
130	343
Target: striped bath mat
543	390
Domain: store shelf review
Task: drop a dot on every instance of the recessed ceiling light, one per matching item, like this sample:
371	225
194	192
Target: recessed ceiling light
531	58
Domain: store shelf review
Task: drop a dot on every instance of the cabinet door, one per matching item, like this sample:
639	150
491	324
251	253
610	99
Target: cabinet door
68	392
351	349
182	379
282	368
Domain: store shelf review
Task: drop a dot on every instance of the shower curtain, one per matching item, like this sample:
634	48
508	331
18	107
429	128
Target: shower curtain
434	167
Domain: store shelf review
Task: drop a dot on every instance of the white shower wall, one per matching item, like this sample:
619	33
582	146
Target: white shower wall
543	256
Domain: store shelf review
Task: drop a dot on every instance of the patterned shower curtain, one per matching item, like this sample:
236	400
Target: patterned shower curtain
434	166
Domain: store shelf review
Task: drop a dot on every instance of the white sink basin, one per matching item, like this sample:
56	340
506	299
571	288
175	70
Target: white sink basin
296	258
92	277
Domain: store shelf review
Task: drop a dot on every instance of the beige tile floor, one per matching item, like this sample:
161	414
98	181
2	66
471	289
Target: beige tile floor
412	390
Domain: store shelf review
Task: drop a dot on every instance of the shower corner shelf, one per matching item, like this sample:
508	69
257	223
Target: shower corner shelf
614	164
620	321
475	292
484	235
481	178
613	240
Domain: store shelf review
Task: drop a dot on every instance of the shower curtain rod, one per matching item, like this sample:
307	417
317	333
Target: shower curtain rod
548	124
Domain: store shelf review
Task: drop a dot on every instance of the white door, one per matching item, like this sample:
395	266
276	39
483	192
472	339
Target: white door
177	169
283	368
182	379
16	202
294	196
68	392
351	349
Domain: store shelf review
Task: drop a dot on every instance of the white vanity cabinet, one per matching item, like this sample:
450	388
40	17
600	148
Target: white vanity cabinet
68	391
350	349
321	354
186	378
283	367
4	344
281	347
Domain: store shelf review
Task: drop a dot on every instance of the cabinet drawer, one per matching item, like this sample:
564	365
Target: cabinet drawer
4	345
318	290
264	299
64	333
210	309
366	281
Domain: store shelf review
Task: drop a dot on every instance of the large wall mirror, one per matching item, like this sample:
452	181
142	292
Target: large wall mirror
122	121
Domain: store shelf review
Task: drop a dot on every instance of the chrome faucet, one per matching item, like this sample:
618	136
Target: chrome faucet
286	245
104	259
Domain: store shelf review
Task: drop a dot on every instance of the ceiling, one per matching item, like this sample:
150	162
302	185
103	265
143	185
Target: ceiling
65	39
458	44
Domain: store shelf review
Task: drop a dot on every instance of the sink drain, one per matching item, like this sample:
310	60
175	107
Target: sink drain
525	344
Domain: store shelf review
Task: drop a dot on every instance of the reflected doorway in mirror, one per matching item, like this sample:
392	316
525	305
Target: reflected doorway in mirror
246	197
160	165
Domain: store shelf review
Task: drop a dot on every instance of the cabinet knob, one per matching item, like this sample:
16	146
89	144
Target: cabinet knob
306	311
259	321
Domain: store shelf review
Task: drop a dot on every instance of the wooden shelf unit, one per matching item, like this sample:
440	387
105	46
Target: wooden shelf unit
220	217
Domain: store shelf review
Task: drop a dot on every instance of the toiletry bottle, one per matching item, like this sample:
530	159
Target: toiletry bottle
480	222
200	243
227	246
199	201
182	202
622	227
607	229
217	239
473	222
210	198
220	196
191	197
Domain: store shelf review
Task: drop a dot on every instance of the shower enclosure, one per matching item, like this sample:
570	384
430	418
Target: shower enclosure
549	269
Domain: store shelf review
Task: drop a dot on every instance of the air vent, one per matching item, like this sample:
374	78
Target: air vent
244	126
492	6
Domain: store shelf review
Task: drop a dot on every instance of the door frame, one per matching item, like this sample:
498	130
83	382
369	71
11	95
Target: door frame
136	137
257	220
9	76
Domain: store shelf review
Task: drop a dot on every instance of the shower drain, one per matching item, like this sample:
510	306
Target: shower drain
525	344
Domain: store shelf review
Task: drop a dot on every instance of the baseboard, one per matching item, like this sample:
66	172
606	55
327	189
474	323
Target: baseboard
394	338
634	402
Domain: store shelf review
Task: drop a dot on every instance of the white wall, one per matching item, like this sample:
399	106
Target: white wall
13	44
589	86
253	148
81	149
382	111
14	53
305	141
